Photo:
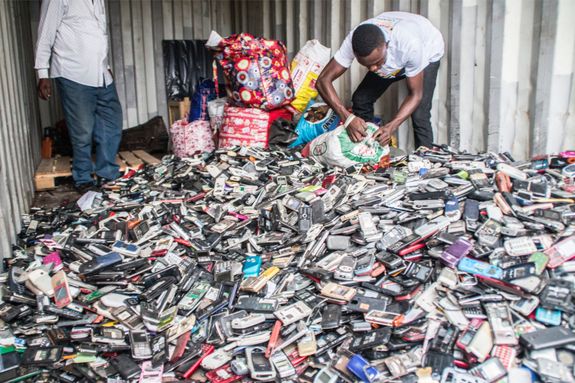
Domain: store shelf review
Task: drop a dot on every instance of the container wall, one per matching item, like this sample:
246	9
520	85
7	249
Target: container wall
505	83
19	119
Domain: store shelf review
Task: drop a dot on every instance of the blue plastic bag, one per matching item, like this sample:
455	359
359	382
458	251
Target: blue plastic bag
308	130
205	92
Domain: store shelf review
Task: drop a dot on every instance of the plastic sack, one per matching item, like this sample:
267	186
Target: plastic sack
192	138
312	124
216	112
205	92
305	69
185	63
335	148
256	70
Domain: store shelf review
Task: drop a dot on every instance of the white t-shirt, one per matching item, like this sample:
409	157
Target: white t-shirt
413	43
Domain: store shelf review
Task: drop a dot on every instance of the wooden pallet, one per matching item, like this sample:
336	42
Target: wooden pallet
50	169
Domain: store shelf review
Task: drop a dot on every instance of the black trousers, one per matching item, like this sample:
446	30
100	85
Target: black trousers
373	86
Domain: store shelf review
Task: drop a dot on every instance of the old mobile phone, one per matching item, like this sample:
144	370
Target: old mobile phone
100	263
108	335
256	304
252	266
468	334
371	339
455	252
471	214
140	344
259	366
552	337
345	269
307	345
339	292
282	364
305	218
125	248
476	267
404	243
193	297
381	317
128	316
491	370
331	317
500	320
9	364
41	356
561	252
293	313
481	343
62	295
478	178
525	306
126	367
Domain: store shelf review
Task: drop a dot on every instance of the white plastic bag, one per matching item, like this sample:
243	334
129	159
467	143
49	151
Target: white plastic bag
216	112
305	69
335	148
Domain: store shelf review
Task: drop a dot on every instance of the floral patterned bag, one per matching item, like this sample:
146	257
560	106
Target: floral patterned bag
256	70
192	138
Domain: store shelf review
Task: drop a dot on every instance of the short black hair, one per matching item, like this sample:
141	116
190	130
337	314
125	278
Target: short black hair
366	38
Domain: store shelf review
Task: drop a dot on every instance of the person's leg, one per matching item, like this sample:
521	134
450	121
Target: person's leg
79	104
108	132
369	90
421	118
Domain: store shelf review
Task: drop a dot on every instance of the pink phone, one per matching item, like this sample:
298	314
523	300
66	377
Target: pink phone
62	296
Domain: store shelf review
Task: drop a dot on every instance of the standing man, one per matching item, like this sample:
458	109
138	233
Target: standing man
73	45
393	46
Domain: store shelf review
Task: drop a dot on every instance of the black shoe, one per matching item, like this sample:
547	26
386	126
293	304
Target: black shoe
101	181
83	188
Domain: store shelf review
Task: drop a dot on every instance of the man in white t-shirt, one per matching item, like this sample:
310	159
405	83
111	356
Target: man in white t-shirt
393	46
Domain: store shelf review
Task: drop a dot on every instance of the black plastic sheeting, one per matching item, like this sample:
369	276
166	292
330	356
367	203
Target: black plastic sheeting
185	63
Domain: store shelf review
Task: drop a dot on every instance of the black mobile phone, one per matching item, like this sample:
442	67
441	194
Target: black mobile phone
101	262
331	317
126	367
371	339
41	356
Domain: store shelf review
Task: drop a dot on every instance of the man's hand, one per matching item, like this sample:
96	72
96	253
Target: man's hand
356	129
383	134
44	88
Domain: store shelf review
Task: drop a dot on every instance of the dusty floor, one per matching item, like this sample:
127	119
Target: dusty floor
61	195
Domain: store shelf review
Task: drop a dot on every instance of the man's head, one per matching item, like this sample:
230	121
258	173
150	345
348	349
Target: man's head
368	43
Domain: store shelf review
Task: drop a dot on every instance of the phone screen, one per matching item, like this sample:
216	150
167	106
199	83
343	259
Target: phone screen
260	362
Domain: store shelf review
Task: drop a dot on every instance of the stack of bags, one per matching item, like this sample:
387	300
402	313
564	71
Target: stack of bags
265	101
261	89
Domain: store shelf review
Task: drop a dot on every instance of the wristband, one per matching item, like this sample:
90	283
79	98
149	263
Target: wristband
348	120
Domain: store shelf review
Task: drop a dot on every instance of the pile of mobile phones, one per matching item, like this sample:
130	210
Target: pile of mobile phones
262	265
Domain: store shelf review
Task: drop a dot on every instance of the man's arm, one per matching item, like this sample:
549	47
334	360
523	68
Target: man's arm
411	102
333	70
51	15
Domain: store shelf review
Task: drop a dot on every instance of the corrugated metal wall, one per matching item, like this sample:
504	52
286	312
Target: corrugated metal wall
136	30
505	83
19	134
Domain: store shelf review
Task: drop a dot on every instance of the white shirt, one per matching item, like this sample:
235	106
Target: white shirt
413	43
73	33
